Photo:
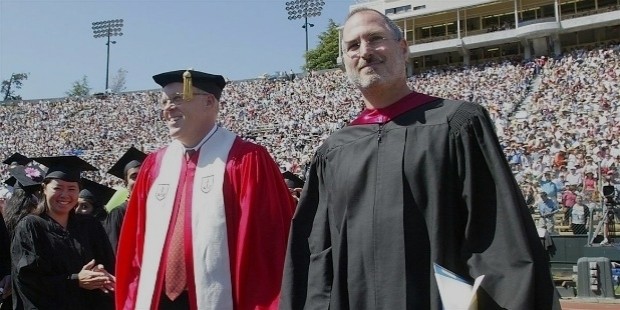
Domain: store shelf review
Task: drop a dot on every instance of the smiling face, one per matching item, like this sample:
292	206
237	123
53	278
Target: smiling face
188	121
61	196
373	56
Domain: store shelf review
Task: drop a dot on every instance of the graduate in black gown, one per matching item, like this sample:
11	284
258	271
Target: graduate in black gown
5	265
59	258
412	182
127	168
92	199
25	181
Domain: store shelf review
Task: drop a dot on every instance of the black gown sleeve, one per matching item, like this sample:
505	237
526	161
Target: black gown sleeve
500	236
308	271
103	254
36	284
5	249
102	248
113	223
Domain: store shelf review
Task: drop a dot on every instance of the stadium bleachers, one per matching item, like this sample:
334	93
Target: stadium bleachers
573	107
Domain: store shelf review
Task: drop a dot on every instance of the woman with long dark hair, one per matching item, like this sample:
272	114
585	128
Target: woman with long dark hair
60	258
5	267
26	188
26	183
19	205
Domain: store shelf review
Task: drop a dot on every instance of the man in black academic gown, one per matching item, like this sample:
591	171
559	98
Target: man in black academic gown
127	168
412	182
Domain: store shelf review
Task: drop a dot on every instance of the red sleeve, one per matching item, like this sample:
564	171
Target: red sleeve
130	245
259	209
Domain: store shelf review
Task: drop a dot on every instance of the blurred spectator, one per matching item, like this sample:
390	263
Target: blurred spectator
547	208
568	201
578	215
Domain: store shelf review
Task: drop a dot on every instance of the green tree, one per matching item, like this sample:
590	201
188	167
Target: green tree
79	88
9	86
325	54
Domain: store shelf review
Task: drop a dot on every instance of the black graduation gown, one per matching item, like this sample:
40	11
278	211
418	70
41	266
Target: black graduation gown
44	256
113	223
5	259
383	202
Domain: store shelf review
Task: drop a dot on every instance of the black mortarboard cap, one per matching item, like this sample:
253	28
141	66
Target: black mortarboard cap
18	159
12	181
27	178
291	180
211	83
98	193
131	159
66	168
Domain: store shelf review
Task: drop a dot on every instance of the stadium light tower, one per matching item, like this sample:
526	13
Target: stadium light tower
107	29
299	9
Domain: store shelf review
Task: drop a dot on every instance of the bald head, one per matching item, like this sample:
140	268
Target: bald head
397	33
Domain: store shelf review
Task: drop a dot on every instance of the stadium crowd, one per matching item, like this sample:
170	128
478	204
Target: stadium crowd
552	115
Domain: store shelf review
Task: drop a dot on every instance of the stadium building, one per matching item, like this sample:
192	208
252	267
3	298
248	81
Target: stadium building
468	32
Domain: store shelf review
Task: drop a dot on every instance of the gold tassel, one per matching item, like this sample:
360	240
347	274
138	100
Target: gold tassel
188	93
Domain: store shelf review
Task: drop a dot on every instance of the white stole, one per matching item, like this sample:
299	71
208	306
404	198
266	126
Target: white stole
209	232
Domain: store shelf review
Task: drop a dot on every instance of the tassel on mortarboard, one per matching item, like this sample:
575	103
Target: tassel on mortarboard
188	93
192	81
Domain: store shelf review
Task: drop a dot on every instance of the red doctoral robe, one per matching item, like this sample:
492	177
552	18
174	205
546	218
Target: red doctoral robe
258	208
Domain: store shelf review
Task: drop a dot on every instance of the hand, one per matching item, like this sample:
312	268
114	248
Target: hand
295	192
89	278
111	278
6	286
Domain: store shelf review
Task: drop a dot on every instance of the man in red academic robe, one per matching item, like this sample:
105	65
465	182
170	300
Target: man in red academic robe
208	219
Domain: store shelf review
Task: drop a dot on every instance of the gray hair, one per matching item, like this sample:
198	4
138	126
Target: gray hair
394	29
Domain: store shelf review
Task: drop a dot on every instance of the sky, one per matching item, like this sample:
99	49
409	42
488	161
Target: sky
53	41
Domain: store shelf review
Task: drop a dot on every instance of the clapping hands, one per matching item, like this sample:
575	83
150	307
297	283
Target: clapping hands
94	276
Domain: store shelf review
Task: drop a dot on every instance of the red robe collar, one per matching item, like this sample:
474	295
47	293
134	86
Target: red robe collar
384	115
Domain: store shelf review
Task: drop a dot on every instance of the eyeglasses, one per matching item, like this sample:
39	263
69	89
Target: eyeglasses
377	42
177	99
